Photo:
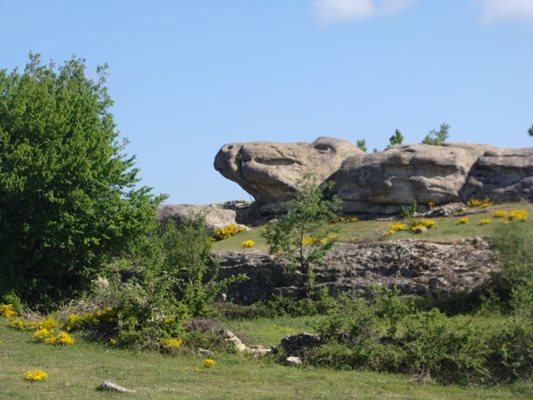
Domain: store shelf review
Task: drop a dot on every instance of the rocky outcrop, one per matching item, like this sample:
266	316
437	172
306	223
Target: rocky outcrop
271	171
502	175
215	216
383	182
413	266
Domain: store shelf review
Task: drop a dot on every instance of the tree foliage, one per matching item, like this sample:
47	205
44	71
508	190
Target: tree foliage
396	139
302	231
437	138
68	195
361	143
530	131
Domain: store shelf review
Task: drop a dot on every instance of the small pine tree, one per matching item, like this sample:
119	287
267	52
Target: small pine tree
361	143
396	139
530	131
437	138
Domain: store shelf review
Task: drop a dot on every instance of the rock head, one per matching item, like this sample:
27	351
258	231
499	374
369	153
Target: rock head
271	171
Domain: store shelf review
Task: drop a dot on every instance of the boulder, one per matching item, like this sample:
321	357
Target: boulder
502	175
383	182
294	345
270	171
215	216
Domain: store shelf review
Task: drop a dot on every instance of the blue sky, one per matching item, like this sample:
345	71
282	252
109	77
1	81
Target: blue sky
189	76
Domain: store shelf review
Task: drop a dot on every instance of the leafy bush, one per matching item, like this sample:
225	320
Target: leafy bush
396	139
68	195
437	138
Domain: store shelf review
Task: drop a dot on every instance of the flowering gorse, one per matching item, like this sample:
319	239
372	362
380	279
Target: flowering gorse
170	344
462	221
62	339
248	243
485	203
209	362
35	375
485	221
227	231
7	311
17	324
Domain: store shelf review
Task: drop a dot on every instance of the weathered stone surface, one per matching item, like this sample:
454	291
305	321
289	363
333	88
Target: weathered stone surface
293	360
383	182
413	266
270	171
113	387
216	217
502	175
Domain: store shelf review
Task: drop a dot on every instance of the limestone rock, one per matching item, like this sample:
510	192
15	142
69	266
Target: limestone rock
258	351
230	337
216	217
270	171
413	266
293	360
113	387
502	175
383	182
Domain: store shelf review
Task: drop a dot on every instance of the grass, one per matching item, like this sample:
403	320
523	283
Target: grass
446	230
74	373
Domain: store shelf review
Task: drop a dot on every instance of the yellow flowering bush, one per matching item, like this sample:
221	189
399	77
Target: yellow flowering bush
462	221
48	323
209	362
170	344
248	243
227	231
485	221
307	241
500	214
427	223
113	341
486	202
431	204
17	324
7	311
35	375
89	319
518	215
62	339
42	334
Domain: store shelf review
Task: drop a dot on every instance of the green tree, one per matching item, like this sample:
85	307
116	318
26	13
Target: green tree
361	143
69	199
530	131
397	138
302	231
437	138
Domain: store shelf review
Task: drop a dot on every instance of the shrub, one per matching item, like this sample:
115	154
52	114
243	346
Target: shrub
227	231
248	243
396	139
35	375
68	195
437	138
462	221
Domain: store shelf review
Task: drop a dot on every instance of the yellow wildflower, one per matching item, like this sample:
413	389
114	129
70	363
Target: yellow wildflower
35	375
7	311
354	219
209	362
62	339
113	341
306	241
248	243
227	231
518	215
431	204
43	334
486	202
485	221
17	324
462	221
170	344
500	214
48	323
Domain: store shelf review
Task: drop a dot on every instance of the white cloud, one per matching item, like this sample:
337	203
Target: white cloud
331	11
493	10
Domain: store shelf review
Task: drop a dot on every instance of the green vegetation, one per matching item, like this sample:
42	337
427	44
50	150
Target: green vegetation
530	131
74	372
302	231
437	138
396	139
361	144
68	195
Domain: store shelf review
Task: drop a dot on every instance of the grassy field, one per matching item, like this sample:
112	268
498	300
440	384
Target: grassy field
74	373
373	229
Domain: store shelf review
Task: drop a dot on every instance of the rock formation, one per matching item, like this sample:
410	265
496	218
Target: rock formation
385	181
381	182
271	171
502	175
215	216
413	266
